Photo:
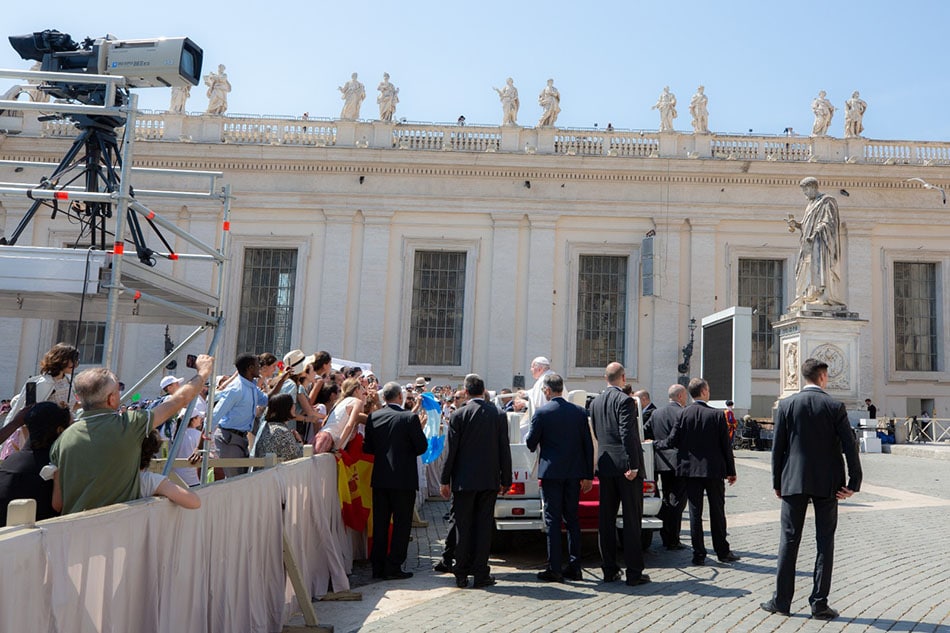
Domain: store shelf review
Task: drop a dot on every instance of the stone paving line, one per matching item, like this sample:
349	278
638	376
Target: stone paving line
892	572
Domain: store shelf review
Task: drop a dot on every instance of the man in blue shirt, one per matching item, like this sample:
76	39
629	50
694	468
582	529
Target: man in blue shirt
236	408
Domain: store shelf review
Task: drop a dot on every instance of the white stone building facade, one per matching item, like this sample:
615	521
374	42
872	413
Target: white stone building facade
440	250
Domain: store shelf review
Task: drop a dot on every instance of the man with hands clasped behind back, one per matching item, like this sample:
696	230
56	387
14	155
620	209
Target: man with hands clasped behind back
811	433
566	467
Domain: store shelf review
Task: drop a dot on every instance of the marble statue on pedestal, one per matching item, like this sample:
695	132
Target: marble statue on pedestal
218	89
550	102
180	95
387	99
818	270
854	109
509	102
697	108
666	104
352	92
823	112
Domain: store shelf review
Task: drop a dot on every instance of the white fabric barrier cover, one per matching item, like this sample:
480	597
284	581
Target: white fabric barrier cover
149	566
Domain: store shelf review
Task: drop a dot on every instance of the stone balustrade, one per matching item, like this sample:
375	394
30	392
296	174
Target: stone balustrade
277	130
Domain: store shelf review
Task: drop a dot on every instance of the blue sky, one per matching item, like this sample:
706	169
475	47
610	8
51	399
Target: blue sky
761	62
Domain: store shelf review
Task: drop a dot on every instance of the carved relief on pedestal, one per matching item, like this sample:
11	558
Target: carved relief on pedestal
839	372
790	375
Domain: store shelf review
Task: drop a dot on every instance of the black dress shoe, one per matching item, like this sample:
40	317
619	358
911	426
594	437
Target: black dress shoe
488	581
728	558
642	579
699	562
573	573
613	576
399	575
825	613
675	547
442	568
549	576
771	608
461	582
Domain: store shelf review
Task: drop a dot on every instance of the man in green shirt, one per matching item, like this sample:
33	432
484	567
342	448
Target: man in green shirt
98	455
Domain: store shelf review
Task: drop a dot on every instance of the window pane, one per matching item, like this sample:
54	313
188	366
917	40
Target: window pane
601	310
92	339
915	316
761	285
438	299
267	300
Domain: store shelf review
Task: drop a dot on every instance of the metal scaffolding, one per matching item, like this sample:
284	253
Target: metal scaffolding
110	284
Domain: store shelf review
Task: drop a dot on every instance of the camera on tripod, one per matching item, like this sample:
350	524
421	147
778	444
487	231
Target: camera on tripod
151	63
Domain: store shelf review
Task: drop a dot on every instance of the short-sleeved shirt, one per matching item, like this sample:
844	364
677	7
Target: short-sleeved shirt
98	458
149	483
237	406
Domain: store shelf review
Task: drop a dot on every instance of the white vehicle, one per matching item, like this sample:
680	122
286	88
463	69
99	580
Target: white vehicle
520	509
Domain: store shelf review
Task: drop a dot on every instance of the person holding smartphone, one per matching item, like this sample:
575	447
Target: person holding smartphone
51	385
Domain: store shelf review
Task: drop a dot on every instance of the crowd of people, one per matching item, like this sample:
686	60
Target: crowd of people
71	444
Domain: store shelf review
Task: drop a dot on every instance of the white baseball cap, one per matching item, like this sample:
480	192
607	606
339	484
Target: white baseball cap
169	380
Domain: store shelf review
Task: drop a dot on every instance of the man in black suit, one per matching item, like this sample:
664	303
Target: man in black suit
565	467
647	406
394	437
620	470
811	432
674	486
478	467
705	459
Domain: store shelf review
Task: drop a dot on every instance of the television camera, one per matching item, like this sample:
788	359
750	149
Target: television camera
148	63
94	158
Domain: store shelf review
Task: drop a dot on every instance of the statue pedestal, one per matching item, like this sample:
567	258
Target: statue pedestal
830	336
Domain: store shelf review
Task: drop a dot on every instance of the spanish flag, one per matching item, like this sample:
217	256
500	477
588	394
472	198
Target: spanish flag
354	473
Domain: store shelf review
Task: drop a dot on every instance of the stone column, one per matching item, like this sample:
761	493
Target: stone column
704	265
336	250
540	291
374	307
501	345
862	298
662	350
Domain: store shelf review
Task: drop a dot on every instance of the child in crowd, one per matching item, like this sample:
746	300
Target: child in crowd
155	484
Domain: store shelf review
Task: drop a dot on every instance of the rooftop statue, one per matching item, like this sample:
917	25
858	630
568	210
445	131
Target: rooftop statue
509	102
854	109
218	89
697	108
352	93
387	99
666	104
818	270
180	95
550	102
823	112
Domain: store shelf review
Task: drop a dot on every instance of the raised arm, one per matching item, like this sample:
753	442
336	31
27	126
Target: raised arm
185	393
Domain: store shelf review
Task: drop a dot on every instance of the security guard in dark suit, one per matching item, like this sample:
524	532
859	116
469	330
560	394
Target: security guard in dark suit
811	433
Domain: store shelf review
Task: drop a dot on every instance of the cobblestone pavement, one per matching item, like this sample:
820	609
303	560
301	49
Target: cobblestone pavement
892	571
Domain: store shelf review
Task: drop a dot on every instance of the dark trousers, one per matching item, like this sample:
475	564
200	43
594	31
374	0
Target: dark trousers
614	492
793	520
671	511
392	504
451	540
715	491
474	520
561	498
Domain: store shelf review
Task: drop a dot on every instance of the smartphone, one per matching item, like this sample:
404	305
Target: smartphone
30	393
190	361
